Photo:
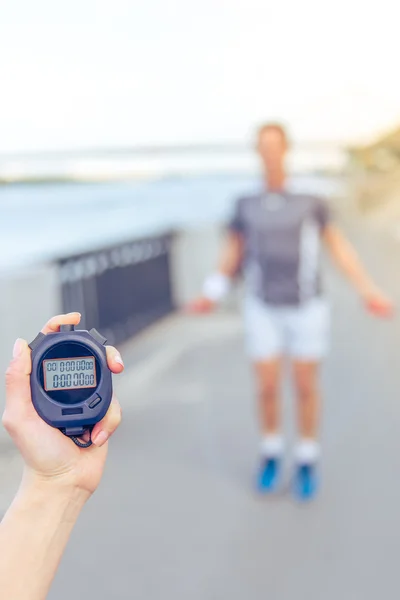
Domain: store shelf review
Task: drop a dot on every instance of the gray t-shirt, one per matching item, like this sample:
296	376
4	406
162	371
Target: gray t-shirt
282	238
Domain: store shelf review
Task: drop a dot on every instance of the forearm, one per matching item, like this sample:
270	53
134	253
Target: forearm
348	262
346	259
226	268
33	536
218	284
231	256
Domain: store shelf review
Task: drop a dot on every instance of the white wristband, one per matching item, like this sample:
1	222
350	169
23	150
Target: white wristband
216	287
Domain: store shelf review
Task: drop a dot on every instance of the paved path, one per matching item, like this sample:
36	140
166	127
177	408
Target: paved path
176	518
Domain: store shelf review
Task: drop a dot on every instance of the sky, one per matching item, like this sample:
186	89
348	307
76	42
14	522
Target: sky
93	73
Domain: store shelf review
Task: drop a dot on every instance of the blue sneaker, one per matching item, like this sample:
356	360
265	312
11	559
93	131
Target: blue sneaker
268	476
305	484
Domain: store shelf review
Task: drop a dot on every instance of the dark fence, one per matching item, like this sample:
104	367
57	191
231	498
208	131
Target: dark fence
122	289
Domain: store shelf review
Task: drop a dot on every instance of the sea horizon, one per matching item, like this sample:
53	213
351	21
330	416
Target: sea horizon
157	163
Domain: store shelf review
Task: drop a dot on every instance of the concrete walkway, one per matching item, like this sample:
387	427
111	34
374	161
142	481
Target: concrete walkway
176	517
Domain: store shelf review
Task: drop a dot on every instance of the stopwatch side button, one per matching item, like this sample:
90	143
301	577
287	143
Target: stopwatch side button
95	402
66	328
34	343
97	336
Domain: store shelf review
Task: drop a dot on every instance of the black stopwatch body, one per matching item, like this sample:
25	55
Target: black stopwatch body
71	383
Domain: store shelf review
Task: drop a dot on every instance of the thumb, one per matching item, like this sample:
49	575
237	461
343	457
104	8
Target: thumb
18	388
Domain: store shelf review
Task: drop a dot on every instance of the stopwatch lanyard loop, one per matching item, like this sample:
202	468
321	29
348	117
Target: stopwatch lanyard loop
81	444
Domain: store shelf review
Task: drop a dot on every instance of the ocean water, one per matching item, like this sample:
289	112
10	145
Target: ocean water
42	222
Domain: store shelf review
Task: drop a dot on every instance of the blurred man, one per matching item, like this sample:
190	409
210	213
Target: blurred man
275	237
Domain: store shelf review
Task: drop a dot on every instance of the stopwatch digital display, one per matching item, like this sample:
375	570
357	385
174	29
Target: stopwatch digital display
71	373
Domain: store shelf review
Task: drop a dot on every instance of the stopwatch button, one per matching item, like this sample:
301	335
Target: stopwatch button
95	402
36	341
66	328
97	336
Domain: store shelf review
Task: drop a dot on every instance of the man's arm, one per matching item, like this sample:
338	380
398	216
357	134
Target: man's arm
231	255
347	260
217	285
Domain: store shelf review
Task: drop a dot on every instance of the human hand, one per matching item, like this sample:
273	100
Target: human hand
49	455
201	305
378	303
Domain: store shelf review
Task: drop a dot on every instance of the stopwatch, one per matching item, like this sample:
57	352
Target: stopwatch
71	383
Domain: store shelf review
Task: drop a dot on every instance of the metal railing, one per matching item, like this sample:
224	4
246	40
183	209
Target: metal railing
122	289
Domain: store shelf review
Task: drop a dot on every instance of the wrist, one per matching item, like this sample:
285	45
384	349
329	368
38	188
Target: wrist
60	489
367	290
216	287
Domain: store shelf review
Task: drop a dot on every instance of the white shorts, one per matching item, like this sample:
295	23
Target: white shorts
301	332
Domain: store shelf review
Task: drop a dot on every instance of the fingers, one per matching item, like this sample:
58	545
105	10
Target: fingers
105	428
54	323
385	310
200	306
18	391
114	360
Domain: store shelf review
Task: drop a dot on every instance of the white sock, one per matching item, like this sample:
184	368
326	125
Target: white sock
307	451
272	446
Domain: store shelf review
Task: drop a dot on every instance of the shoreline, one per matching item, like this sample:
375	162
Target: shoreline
153	177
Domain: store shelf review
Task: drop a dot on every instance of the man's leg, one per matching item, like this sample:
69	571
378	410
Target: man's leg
306	382
268	375
265	345
309	329
308	406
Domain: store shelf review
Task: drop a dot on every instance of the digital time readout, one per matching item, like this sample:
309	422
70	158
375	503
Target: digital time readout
69	373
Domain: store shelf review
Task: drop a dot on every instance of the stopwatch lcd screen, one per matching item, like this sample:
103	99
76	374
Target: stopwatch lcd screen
62	374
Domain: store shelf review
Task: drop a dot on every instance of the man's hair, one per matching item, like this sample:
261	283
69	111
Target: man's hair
274	126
